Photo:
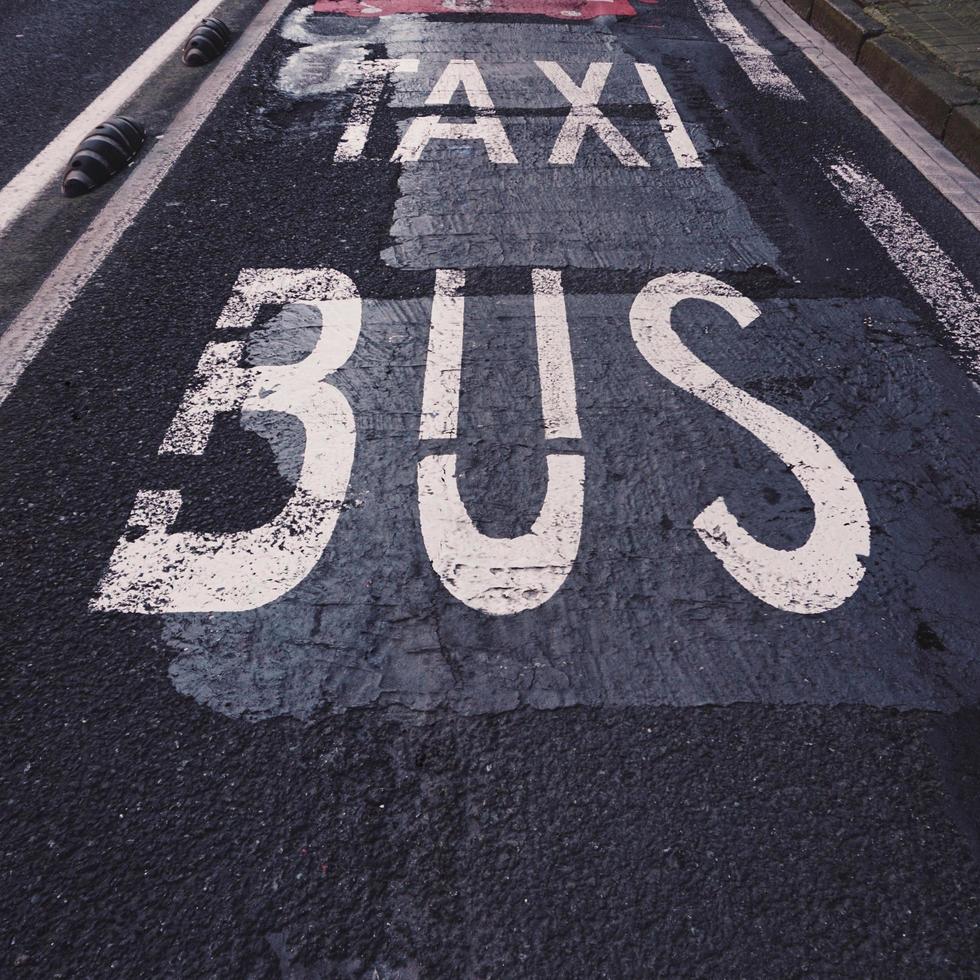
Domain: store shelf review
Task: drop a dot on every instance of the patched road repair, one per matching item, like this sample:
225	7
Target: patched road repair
492	491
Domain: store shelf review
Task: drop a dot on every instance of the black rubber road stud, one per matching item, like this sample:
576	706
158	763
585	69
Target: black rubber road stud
108	149
209	39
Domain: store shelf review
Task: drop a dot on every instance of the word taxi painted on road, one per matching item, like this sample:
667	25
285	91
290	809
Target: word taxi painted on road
584	115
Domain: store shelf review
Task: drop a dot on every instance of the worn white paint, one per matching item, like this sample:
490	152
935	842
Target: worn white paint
678	139
555	365
486	126
26	335
501	576
163	571
932	273
585	114
826	570
369	77
50	162
465	73
420	131
934	162
752	58
440	394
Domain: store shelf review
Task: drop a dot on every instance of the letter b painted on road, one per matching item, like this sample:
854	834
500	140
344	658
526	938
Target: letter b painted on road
155	570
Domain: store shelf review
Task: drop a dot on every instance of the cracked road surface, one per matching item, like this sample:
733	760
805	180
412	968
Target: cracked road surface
507	507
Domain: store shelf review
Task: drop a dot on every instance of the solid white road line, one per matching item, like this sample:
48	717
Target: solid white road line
927	267
752	58
950	177
48	164
27	333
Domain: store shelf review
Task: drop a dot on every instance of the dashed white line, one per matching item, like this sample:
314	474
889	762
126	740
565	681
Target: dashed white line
927	267
950	177
752	58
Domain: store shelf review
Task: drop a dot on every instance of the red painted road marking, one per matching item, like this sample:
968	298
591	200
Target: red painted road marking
560	9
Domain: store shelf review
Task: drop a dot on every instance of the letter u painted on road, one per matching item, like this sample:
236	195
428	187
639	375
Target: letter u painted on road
500	575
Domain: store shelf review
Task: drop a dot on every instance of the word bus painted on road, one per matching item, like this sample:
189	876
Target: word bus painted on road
584	115
155	570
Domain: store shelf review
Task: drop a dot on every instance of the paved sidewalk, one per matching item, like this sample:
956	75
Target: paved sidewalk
924	54
945	30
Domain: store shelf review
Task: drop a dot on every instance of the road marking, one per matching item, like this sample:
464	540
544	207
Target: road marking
752	58
51	161
585	114
685	155
555	364
501	576
440	395
932	273
443	366
372	76
160	570
486	126
30	329
368	79
461	71
154	569
950	177
825	571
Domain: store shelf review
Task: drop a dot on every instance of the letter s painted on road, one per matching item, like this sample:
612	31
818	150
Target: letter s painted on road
825	571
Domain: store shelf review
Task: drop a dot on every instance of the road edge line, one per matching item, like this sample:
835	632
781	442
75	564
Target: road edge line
26	334
937	164
18	193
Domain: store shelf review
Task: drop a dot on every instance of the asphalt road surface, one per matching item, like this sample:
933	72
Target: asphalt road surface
57	57
506	507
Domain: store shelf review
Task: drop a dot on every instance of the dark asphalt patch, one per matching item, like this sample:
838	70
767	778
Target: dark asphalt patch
748	841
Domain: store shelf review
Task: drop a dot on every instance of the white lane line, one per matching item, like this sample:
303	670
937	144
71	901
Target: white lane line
440	395
950	177
27	333
555	365
752	58
48	164
927	267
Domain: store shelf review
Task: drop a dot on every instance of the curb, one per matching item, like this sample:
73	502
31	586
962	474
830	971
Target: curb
947	107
